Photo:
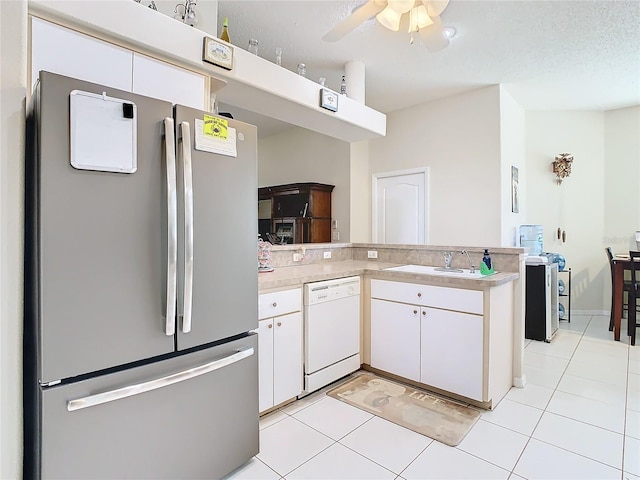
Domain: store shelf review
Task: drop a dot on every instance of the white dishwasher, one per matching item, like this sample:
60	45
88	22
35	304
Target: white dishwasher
331	331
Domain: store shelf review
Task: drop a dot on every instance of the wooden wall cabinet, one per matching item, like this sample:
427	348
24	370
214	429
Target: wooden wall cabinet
303	210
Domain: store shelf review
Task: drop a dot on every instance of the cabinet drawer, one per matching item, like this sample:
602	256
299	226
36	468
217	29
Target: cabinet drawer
279	303
458	299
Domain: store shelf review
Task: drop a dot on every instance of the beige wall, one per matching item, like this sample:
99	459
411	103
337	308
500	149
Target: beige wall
577	205
621	178
13	28
300	155
458	138
512	147
360	215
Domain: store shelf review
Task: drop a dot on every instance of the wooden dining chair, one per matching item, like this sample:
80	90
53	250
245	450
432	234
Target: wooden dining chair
634	295
626	287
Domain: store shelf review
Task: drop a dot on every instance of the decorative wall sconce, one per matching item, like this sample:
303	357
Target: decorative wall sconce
562	166
186	13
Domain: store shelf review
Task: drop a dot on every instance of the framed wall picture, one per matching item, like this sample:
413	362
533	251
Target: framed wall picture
217	53
515	203
329	99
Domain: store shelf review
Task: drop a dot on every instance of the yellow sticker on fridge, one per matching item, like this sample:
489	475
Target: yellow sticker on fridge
216	127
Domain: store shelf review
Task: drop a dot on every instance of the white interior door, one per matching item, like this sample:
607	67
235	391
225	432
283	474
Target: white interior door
400	207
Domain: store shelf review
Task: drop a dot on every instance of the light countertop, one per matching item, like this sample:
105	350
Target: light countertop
294	276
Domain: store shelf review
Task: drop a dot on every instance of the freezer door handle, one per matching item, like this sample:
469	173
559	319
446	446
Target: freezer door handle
188	226
131	390
172	226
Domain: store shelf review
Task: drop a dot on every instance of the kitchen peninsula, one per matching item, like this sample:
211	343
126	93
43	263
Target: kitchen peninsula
458	336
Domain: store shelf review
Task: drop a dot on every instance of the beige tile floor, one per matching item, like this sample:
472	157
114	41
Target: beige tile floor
578	417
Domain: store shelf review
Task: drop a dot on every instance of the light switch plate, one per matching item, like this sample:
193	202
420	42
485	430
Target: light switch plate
335	235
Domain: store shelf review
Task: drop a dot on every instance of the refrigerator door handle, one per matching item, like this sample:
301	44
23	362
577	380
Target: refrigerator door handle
172	226
188	226
131	390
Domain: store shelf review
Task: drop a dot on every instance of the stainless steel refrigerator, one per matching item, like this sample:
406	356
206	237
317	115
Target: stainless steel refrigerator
140	287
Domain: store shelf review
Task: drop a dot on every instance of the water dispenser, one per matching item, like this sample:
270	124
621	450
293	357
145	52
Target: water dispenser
531	238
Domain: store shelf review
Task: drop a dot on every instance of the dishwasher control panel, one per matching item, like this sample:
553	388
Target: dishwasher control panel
319	292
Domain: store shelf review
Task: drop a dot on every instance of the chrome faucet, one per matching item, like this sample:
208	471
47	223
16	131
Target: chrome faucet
472	269
447	260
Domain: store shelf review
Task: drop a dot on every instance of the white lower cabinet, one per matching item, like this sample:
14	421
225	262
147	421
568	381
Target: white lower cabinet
395	338
279	348
436	346
451	351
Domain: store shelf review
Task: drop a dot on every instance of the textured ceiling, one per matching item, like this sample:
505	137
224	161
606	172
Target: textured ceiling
551	55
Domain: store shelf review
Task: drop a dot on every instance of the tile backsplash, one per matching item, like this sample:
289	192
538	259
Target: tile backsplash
504	259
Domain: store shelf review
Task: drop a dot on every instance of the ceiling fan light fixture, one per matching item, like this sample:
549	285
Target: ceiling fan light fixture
389	18
418	19
401	6
435	7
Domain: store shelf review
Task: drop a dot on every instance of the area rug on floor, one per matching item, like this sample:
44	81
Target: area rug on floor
418	410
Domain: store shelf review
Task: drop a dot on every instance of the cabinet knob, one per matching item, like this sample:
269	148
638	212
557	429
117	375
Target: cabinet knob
274	304
424	312
279	324
415	311
270	325
419	294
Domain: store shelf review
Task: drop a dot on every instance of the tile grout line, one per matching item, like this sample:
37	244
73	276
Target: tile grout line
555	389
626	403
548	401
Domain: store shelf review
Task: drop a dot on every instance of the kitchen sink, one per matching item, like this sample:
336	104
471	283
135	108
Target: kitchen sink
428	270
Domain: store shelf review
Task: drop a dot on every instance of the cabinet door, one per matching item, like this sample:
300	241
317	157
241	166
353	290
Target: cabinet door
451	354
161	80
320	204
395	338
66	52
279	303
398	291
429	295
287	357
265	364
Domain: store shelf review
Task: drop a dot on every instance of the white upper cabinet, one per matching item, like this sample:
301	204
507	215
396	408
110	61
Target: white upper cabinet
59	50
67	52
157	79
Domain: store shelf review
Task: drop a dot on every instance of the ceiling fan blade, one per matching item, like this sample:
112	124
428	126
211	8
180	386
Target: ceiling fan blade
433	36
435	7
361	15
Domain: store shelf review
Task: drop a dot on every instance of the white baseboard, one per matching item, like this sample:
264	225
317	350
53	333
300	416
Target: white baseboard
520	382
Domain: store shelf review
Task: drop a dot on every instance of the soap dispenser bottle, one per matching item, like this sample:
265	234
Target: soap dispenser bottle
486	258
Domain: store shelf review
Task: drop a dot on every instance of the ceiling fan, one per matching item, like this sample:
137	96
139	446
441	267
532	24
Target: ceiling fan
423	18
